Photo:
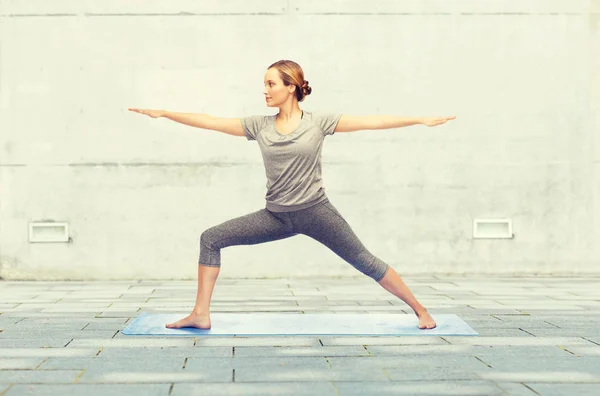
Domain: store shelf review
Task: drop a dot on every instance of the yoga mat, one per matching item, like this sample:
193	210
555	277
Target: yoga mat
277	324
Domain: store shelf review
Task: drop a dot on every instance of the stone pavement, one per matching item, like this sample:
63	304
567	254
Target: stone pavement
538	335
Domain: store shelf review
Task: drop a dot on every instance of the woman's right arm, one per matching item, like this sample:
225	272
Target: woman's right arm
230	126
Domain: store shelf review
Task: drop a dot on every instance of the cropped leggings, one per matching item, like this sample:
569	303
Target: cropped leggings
321	222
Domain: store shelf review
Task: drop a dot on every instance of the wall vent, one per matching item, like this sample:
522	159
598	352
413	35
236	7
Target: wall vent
48	232
492	228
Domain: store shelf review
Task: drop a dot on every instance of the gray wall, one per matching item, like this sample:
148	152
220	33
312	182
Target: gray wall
522	76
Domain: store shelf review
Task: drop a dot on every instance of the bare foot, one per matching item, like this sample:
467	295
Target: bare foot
192	320
425	320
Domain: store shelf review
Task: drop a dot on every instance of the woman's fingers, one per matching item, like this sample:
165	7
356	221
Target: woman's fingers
141	111
149	112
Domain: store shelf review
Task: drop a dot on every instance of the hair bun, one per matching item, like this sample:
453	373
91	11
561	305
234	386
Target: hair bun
306	89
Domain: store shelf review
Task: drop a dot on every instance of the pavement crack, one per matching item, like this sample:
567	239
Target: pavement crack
482	361
566	350
552	324
321	342
70	341
590	341
99	350
79	376
527	332
6	390
386	374
233	376
527	386
335	389
171	388
43	361
185	362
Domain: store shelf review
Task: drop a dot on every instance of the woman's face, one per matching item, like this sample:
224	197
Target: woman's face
276	93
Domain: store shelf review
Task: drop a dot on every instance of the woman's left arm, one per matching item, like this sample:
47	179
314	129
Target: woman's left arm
357	123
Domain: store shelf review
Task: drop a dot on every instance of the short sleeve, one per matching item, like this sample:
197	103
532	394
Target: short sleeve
252	125
327	122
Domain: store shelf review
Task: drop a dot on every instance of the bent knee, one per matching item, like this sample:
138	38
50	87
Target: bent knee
208	237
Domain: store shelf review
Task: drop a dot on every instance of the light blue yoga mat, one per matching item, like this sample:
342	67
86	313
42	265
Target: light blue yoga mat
277	324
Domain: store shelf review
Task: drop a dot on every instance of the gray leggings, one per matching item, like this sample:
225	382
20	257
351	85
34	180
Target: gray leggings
321	222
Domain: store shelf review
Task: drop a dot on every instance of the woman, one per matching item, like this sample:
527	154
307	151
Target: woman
291	143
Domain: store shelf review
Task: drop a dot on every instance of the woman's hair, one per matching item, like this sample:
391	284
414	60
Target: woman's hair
291	73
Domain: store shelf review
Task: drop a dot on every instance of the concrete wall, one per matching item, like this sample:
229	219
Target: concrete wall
522	76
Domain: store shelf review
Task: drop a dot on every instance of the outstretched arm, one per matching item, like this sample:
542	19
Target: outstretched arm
230	126
357	123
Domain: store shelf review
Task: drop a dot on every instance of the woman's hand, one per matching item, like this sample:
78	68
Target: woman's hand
433	121
151	113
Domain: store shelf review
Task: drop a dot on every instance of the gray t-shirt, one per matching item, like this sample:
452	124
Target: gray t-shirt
292	161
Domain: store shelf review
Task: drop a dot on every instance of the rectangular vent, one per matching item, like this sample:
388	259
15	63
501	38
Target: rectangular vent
492	228
48	232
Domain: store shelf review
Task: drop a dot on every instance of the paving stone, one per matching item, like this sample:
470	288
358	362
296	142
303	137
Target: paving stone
552	374
33	342
256	389
382	340
531	324
122	364
46	352
419	349
135	376
423	362
51	333
516	389
74	323
574	323
255	351
284	374
38	376
580	332
490	332
95	326
109	320
119	314
89	389
477	387
133	342
584	350
150	355
439	374
37	314
6	322
565	389
258	341
520	351
461	340
199	363
544	363
20	364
